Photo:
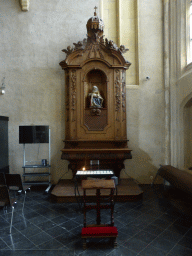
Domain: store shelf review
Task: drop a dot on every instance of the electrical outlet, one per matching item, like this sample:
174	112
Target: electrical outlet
151	178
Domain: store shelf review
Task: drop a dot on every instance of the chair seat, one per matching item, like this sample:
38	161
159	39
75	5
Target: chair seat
14	188
2	204
99	231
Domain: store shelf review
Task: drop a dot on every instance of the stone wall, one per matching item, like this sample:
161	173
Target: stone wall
30	52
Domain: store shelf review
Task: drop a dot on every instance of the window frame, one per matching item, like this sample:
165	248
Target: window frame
189	31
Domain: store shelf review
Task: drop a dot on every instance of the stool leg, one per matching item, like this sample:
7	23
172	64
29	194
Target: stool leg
84	198
112	207
115	242
84	244
98	207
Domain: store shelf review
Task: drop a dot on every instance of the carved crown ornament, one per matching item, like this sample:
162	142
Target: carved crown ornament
24	5
94	43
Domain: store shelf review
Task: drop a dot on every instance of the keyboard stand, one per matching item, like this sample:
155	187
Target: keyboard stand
98	174
77	194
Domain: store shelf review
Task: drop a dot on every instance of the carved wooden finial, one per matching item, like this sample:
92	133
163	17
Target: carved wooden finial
95	14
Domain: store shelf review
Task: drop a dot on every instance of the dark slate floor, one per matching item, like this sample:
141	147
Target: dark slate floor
148	227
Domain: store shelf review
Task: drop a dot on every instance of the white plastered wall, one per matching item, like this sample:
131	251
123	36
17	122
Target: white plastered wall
138	25
30	52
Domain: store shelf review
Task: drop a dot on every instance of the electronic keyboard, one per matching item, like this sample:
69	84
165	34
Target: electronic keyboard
95	173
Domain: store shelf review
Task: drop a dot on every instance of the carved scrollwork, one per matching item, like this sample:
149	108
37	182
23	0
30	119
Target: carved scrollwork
117	90
68	51
111	45
102	41
122	49
95	49
73	93
67	93
123	95
95	112
81	44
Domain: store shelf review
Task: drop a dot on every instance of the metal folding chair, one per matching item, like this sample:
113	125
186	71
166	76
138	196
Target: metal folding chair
5	201
14	183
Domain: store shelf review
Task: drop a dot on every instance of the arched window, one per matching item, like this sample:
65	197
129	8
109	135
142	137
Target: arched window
190	32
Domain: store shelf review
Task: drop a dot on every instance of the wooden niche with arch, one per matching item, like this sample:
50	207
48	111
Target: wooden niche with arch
95	115
95	83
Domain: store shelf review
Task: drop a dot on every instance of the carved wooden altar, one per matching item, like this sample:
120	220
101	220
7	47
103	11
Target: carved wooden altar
95	131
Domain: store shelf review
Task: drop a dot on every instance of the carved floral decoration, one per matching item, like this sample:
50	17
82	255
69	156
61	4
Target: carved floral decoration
73	92
95	112
117	90
83	45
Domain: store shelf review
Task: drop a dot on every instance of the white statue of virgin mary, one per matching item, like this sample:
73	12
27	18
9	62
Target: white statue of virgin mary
95	98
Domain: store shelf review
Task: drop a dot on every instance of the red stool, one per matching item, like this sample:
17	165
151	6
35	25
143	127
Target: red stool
91	232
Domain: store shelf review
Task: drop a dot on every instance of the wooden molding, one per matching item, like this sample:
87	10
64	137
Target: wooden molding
24	5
